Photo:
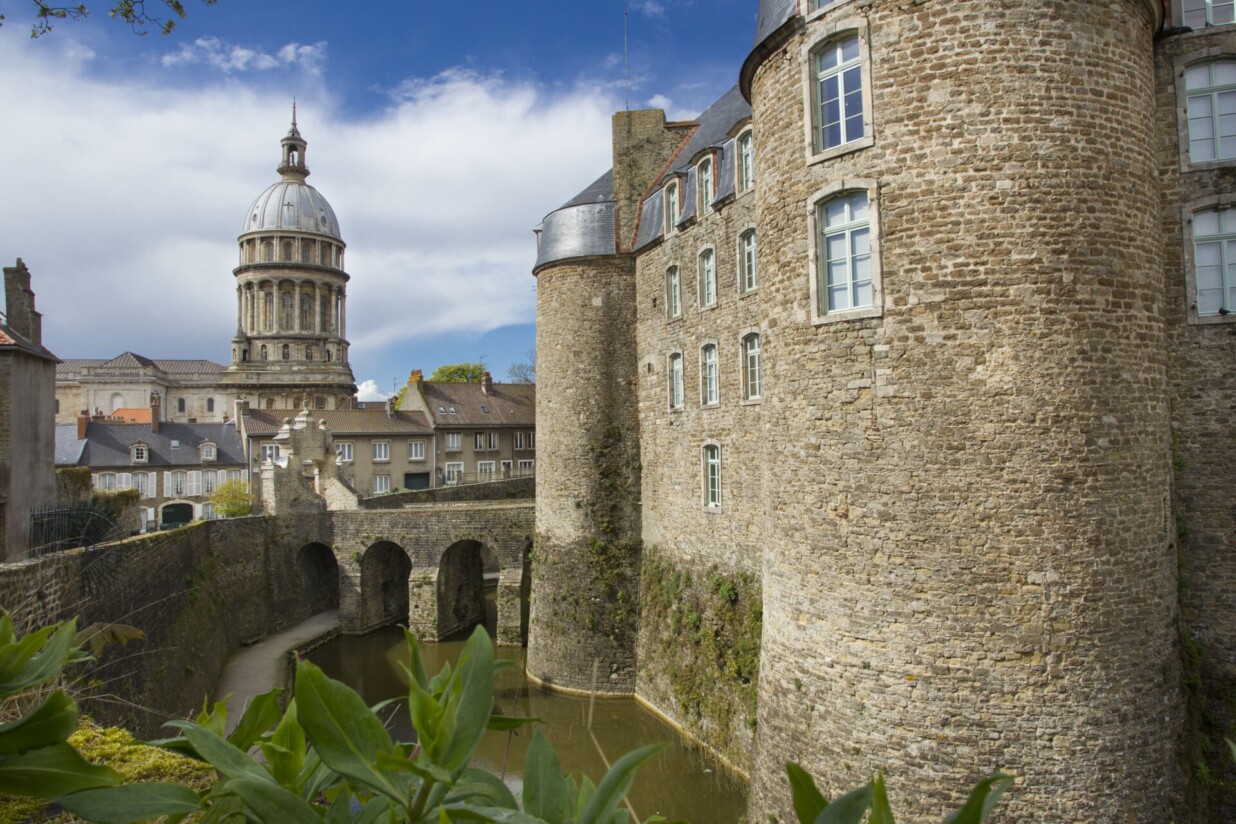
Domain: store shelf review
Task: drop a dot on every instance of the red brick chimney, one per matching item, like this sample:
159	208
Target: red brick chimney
156	413
416	377
82	422
487	383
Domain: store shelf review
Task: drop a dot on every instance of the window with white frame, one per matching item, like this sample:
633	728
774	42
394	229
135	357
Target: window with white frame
105	481
1211	109
453	472
748	275
746	161
526	467
454	441
751	367
343	451
139	453
193	485
708	374
673	208
838	89
235	474
209	452
1201	13
416	450
532	440
485	470
673	293
844	223
1214	261
141	482
177	483
381	483
381	450
270	452
478	442
712	475
209	481
707	278
506	467
494	439
675	380
705	187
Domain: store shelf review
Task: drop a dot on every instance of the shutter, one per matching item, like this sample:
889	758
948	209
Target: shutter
167	485
195	484
124	480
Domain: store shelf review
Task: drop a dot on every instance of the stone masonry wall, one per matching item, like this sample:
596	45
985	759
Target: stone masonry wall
513	488
586	559
1203	386
969	555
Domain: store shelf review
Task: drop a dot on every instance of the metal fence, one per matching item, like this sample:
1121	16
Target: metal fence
61	528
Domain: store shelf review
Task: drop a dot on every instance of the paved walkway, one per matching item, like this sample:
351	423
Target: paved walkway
259	668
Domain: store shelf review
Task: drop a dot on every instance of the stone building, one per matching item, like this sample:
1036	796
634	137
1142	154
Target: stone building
920	339
27	398
289	350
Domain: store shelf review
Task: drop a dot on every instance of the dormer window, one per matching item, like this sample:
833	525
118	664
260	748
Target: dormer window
209	452
673	209
746	161
1201	13
705	184
139	453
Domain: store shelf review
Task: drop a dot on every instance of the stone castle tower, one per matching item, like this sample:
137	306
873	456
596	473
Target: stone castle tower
918	335
290	350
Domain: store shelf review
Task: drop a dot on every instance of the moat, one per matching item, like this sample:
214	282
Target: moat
684	782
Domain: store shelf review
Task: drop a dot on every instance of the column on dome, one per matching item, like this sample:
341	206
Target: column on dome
296	308
343	313
240	308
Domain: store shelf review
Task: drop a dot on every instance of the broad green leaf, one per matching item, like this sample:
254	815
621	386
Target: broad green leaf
131	802
7	630
99	635
470	703
809	802
983	799
881	810
374	810
222	754
262	713
484	788
544	793
345	733
16	654
50	772
426	715
490	815
619	816
417	670
214	719
52	722
285	751
616	783
271	803
848	809
31	670
401	763
315	777
586	790
506	723
340	811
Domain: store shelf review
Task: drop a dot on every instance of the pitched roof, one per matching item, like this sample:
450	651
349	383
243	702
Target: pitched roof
107	444
266	423
10	340
68	447
466	404
73	368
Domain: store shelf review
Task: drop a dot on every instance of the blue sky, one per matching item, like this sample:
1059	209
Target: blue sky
441	132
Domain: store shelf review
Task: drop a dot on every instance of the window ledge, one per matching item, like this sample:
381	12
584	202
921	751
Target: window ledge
748	293
753	401
850	314
714	405
864	142
712	510
1210	320
381	460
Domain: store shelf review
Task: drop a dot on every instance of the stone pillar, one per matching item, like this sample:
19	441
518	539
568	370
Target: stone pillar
343	313
423	603
509	606
296	310
240	308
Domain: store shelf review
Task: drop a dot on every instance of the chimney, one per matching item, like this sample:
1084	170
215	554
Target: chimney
20	302
156	413
487	383
416	377
644	145
82	422
390	406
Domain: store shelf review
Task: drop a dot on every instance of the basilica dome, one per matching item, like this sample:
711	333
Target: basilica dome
292	205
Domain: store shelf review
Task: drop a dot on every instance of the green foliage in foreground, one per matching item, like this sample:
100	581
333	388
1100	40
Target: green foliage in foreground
329	758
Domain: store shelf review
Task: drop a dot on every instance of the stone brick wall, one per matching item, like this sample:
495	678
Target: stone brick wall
27	442
971	492
586	563
1202	388
511	488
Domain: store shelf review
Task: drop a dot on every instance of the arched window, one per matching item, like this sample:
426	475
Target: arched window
707	278
268	251
751	367
287	250
675	381
327	353
306	313
673	293
210	404
1211	106
270	403
306	251
708	374
180	405
287	352
748	275
263	352
712	475
285	310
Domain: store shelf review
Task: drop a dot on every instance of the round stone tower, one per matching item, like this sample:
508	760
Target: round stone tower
969	562
290	350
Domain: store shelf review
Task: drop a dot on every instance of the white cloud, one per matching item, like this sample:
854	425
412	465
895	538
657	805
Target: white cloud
228	58
651	8
125	198
368	391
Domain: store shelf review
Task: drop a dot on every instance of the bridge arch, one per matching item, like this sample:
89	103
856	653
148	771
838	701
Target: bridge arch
384	571
319	576
466	567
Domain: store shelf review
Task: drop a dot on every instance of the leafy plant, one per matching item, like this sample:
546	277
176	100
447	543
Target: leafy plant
232	499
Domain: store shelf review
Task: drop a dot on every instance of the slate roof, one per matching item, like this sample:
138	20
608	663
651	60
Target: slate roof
510	404
68	447
266	423
107	444
581	227
771	15
72	368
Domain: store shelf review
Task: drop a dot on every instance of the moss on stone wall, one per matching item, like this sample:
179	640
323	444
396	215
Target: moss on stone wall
73	485
701	636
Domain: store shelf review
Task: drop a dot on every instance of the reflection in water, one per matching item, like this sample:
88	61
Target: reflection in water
680	783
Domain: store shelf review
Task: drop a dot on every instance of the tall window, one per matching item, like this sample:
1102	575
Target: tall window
343	451
1214	258
708	374
287	352
381	450
845	253
141	482
746	161
672	208
105	480
180	405
210	404
675	381
708	278
381	483
453	473
519	440
208	482
1201	13
751	367
478	442
494	439
838	93
747	261
1211	108
179	483
705	189
712	475
454	441
673	293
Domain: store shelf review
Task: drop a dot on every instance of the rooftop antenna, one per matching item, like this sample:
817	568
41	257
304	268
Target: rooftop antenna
626	81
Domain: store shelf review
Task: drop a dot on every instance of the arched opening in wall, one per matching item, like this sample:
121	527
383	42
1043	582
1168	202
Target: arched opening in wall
172	515
384	569
319	575
467	584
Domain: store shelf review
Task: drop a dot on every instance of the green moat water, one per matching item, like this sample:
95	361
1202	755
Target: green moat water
683	782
